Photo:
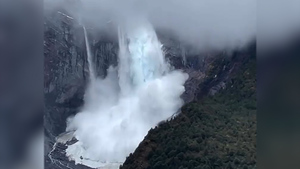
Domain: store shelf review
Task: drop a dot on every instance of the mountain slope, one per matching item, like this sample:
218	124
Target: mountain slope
217	131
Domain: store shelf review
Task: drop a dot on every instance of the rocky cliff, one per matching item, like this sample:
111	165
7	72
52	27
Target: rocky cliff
66	74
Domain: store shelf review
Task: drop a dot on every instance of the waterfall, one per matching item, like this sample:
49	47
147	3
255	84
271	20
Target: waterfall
89	57
120	109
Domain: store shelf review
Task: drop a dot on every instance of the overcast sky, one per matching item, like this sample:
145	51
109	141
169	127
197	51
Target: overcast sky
204	23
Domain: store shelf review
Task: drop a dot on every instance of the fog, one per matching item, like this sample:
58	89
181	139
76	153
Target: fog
278	22
205	24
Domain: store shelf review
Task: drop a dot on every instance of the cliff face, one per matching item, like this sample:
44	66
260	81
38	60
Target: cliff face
66	67
66	74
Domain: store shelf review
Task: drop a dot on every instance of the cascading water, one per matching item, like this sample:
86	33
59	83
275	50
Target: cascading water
89	56
120	109
144	55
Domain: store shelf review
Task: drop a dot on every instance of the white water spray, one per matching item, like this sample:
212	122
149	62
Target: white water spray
89	56
120	109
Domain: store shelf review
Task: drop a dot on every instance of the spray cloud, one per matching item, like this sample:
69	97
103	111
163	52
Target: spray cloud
120	109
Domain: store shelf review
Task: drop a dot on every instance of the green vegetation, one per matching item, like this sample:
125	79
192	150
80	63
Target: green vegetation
216	132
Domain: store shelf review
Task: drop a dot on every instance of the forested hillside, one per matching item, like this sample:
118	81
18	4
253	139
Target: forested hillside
218	130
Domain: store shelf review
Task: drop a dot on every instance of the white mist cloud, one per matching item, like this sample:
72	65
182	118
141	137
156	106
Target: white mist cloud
120	109
204	24
111	129
278	21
